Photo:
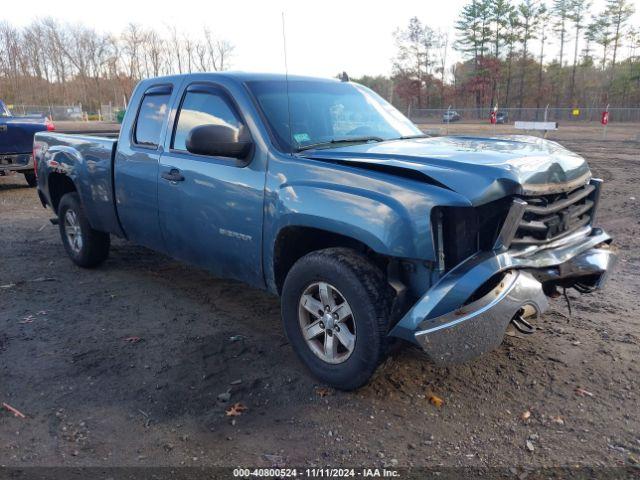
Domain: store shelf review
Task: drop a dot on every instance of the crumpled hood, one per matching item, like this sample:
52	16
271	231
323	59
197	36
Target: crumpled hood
482	169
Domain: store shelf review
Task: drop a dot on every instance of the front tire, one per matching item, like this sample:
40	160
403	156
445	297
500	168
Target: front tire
85	246
336	313
31	179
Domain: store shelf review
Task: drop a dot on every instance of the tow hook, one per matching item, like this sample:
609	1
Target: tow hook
520	324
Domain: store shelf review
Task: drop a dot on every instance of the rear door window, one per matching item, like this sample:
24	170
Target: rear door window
153	111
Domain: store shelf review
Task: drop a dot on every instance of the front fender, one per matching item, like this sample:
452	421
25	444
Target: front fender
382	223
390	215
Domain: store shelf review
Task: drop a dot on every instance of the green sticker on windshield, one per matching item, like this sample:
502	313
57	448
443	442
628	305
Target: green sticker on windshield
301	137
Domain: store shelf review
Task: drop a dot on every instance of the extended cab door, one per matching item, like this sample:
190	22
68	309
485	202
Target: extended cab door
211	208
136	165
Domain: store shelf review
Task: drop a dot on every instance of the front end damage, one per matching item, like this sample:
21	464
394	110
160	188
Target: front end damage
545	242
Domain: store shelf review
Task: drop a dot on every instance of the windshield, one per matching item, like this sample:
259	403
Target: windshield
4	111
325	114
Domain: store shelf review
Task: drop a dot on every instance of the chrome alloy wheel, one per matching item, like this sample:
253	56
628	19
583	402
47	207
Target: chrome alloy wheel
72	230
327	322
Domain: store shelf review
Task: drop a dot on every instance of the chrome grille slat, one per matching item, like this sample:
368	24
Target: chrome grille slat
549	217
574	197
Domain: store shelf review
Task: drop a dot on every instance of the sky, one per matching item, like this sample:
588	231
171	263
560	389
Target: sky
324	37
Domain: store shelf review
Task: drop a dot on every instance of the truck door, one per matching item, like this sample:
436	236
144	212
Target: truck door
136	166
210	207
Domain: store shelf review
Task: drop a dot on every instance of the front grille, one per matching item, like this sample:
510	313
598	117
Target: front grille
549	217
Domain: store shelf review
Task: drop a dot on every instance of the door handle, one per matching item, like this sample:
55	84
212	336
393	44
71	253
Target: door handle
173	175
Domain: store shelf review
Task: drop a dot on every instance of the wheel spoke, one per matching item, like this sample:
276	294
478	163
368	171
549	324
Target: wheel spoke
73	230
313	330
346	338
330	346
326	295
342	311
311	305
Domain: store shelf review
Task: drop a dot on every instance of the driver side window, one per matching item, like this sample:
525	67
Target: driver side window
202	108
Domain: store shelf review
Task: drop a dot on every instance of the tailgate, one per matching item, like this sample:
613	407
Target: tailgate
16	135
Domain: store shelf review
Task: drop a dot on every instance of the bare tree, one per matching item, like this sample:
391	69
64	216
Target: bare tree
133	39
176	47
618	12
530	12
577	14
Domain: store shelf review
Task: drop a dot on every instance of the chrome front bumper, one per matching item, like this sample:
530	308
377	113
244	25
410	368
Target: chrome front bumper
451	330
479	327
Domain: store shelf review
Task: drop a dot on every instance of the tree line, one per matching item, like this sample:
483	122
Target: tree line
522	54
51	63
508	61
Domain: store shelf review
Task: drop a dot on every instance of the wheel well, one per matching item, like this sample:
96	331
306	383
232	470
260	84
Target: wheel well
59	185
294	243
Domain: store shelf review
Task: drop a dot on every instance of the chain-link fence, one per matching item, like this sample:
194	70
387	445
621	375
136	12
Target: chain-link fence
54	112
510	115
106	113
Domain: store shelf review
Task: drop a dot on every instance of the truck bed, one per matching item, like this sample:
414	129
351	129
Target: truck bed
88	161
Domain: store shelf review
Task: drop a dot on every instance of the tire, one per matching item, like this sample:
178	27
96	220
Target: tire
93	246
31	179
354	279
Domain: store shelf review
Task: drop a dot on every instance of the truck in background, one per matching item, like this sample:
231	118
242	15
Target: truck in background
16	142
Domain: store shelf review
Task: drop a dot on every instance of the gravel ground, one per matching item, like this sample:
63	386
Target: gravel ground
136	362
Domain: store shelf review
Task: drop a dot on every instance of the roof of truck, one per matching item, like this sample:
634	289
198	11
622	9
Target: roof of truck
244	76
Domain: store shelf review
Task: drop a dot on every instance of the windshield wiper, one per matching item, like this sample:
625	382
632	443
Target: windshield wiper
341	140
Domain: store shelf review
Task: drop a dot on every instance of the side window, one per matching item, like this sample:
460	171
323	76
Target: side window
202	108
153	110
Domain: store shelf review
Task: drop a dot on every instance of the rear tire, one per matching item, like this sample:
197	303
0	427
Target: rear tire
85	246
351	279
31	179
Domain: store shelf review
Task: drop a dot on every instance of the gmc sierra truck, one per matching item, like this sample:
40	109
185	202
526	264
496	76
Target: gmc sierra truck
323	193
16	142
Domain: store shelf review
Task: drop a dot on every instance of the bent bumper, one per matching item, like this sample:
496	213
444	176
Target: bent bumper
479	327
451	330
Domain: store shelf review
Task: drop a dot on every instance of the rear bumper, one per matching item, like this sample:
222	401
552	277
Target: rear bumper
16	162
451	330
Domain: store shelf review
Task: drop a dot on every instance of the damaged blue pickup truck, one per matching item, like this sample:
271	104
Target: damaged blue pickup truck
324	194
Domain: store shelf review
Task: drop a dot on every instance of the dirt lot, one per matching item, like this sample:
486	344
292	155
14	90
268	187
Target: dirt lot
92	395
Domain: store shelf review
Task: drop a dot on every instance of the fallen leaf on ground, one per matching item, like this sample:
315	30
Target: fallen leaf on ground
15	412
323	392
435	400
133	339
530	446
526	415
584	393
236	410
557	420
